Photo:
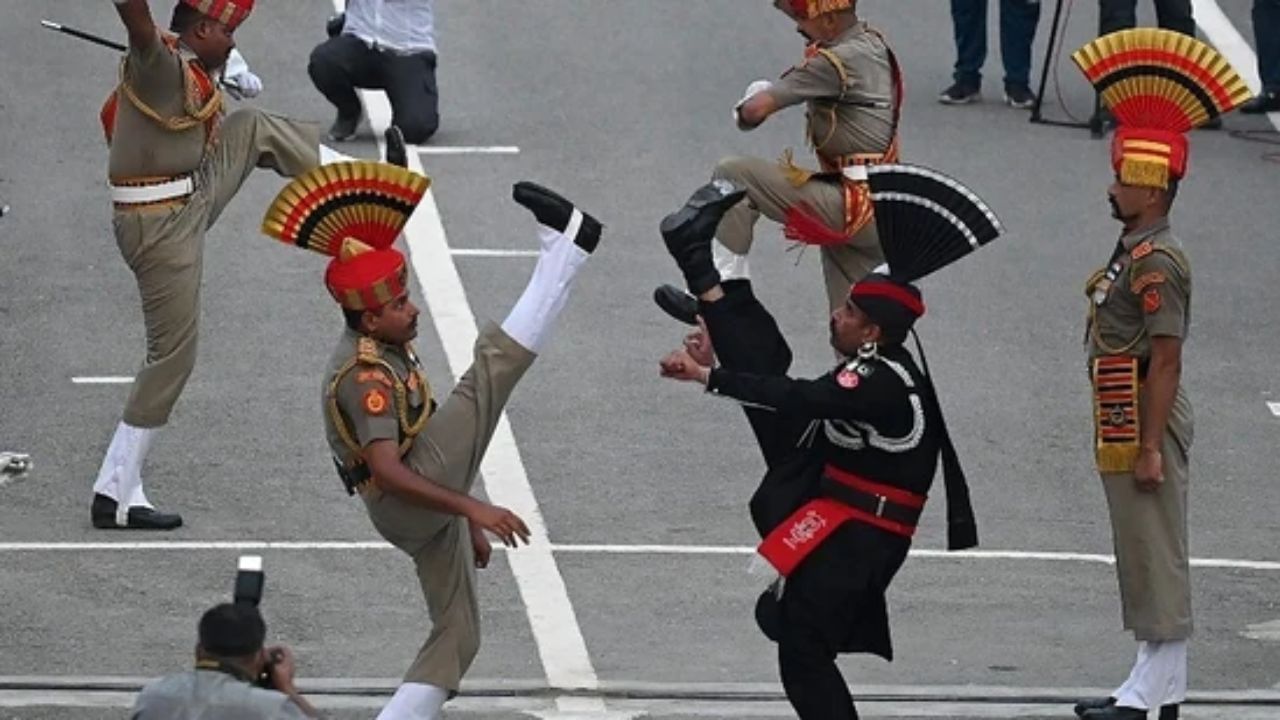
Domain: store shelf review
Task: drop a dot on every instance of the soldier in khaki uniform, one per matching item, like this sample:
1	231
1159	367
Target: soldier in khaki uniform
850	84
413	463
176	162
1139	314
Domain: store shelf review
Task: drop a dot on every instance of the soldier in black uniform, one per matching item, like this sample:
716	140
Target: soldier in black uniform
850	455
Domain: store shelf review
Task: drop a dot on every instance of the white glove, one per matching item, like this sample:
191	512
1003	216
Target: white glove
239	79
753	89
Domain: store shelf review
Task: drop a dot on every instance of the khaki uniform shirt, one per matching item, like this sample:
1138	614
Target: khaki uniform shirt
848	114
1149	297
141	148
211	695
367	398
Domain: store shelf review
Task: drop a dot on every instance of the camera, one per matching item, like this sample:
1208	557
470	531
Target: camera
250	581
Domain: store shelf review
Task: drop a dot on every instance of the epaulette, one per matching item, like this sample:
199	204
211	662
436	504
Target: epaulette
1141	250
367	351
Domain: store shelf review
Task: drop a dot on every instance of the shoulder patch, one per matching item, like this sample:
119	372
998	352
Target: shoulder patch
1151	300
375	402
848	379
1141	250
374	376
1146	280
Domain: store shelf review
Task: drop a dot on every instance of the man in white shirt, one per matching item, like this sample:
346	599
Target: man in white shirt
386	45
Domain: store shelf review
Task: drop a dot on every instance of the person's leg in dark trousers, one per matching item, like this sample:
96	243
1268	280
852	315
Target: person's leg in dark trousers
339	66
410	82
1018	21
1176	15
1266	28
1116	15
969	21
746	338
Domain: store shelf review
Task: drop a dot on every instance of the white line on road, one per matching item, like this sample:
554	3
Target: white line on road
1274	407
599	549
481	252
556	632
102	379
1224	36
464	149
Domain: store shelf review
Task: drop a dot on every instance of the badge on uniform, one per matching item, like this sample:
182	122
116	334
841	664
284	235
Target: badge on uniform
848	379
1150	300
375	402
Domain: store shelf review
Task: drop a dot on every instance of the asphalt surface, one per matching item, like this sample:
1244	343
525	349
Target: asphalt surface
624	107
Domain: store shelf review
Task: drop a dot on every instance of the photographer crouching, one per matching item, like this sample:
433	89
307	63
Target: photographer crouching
236	677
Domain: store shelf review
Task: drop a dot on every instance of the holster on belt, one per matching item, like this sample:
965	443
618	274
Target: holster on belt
1115	412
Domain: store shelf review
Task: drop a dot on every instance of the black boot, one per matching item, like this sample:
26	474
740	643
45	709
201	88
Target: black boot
1115	712
555	212
1085	706
103	514
344	127
677	303
688	232
397	153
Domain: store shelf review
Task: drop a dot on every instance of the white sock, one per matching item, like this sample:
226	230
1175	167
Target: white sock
415	701
329	156
1159	676
730	264
120	476
530	321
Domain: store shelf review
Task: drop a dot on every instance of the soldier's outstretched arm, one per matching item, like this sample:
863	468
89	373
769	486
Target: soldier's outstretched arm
137	20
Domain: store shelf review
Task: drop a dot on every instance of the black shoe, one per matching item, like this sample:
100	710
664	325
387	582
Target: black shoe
555	212
1101	122
344	127
1115	712
103	514
1169	712
688	231
1085	706
677	303
960	93
1264	103
397	153
1019	96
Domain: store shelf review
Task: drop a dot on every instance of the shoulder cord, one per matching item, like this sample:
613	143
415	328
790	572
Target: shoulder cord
409	429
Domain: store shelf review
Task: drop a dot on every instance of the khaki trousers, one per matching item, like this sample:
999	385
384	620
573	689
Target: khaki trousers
449	452
1150	534
770	192
164	247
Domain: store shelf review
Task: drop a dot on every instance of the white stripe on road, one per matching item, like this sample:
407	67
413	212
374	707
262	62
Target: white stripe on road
102	379
561	647
480	252
1274	407
1224	36
596	549
464	149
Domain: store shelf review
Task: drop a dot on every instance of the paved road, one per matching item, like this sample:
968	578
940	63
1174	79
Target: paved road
623	106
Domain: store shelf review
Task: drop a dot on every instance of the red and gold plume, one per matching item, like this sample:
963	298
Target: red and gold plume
1158	84
352	212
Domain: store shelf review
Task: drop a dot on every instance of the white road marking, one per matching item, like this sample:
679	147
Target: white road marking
600	549
463	149
1224	36
1274	407
556	632
1265	631
102	379
481	252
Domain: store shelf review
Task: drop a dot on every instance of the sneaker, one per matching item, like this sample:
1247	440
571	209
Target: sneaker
1019	96
397	153
1263	103
959	94
344	127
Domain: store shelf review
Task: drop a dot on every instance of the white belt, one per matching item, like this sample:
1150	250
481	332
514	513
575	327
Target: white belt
142	194
856	173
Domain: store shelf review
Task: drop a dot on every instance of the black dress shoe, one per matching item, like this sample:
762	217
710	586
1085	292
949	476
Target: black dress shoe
1115	712
552	210
397	153
688	232
103	514
1264	103
677	303
1085	706
344	127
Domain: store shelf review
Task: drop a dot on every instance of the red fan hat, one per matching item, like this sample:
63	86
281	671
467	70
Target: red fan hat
228	12
810	9
352	212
